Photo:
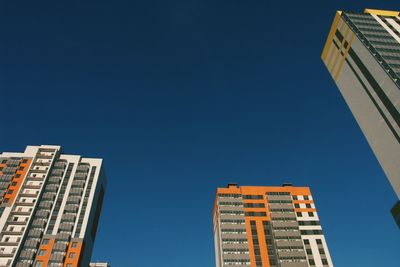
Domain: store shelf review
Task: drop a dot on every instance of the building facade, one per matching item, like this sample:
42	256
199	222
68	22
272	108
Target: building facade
50	206
362	54
268	227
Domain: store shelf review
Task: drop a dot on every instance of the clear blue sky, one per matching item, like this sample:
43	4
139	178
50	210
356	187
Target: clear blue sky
182	96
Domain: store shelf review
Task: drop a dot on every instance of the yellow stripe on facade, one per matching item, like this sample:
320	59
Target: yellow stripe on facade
340	50
333	54
378	12
344	57
328	43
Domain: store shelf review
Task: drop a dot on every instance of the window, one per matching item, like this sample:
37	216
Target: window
38	264
17	175
311	214
1	168
308	206
14	183
324	261
319	241
321	251
4	161
24	161
252	197
309	251
297	206
295	198
306	241
42	252
71	255
46	241
6	200
21	168
306	198
10	192
312	262
74	244
299	214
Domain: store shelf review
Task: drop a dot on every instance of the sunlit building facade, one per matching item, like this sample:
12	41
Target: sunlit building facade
362	53
269	227
50	206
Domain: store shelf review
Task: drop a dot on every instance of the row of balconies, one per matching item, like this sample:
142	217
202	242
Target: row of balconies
53	179
83	168
78	184
74	200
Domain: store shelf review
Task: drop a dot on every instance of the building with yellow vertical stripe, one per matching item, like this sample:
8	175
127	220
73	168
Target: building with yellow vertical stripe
362	54
268	226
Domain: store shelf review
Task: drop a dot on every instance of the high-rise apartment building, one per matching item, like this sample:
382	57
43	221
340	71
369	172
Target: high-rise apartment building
50	206
362	53
269	227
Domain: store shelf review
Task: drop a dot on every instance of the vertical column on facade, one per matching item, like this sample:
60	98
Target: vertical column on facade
43	199
285	231
62	244
233	230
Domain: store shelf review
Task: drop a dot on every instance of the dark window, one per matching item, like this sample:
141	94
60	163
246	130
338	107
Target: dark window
17	175
14	183
252	213
319	241
295	198
252	196
306	241
254	205
24	161
42	252
312	262
21	168
324	261
311	214
308	206
297	206
321	251
309	251
306	198
299	214
10	191
6	200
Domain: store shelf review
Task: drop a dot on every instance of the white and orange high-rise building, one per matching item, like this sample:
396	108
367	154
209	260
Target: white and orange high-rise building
268	226
50	207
